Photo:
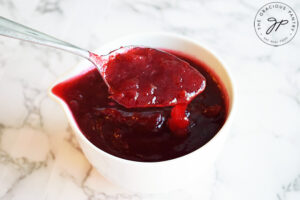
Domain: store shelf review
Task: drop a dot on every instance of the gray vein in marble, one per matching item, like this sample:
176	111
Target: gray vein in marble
71	139
247	5
217	180
295	93
49	6
9	4
95	195
33	117
32	109
104	196
293	186
46	65
24	166
264	58
141	6
44	55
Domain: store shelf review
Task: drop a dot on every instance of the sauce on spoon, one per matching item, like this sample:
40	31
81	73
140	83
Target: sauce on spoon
139	77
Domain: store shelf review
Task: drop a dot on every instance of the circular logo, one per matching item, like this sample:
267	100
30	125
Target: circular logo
276	23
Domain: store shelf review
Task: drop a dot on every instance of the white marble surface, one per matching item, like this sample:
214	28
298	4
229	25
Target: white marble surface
39	157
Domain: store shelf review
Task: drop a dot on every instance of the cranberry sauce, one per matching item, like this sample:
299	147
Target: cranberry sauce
146	77
143	134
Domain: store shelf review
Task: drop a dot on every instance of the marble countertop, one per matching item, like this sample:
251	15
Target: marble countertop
39	156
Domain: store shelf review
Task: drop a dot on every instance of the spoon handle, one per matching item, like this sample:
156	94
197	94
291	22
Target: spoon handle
14	30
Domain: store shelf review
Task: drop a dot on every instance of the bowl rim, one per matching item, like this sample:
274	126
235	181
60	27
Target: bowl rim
185	39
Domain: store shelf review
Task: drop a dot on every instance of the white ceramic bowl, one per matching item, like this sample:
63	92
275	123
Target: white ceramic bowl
165	175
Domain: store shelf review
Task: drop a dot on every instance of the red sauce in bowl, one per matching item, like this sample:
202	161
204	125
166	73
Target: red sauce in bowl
144	134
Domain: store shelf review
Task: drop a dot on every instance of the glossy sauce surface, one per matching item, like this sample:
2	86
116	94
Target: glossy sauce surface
143	134
146	77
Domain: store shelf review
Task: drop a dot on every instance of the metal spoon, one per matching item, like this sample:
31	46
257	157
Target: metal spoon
182	84
18	31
